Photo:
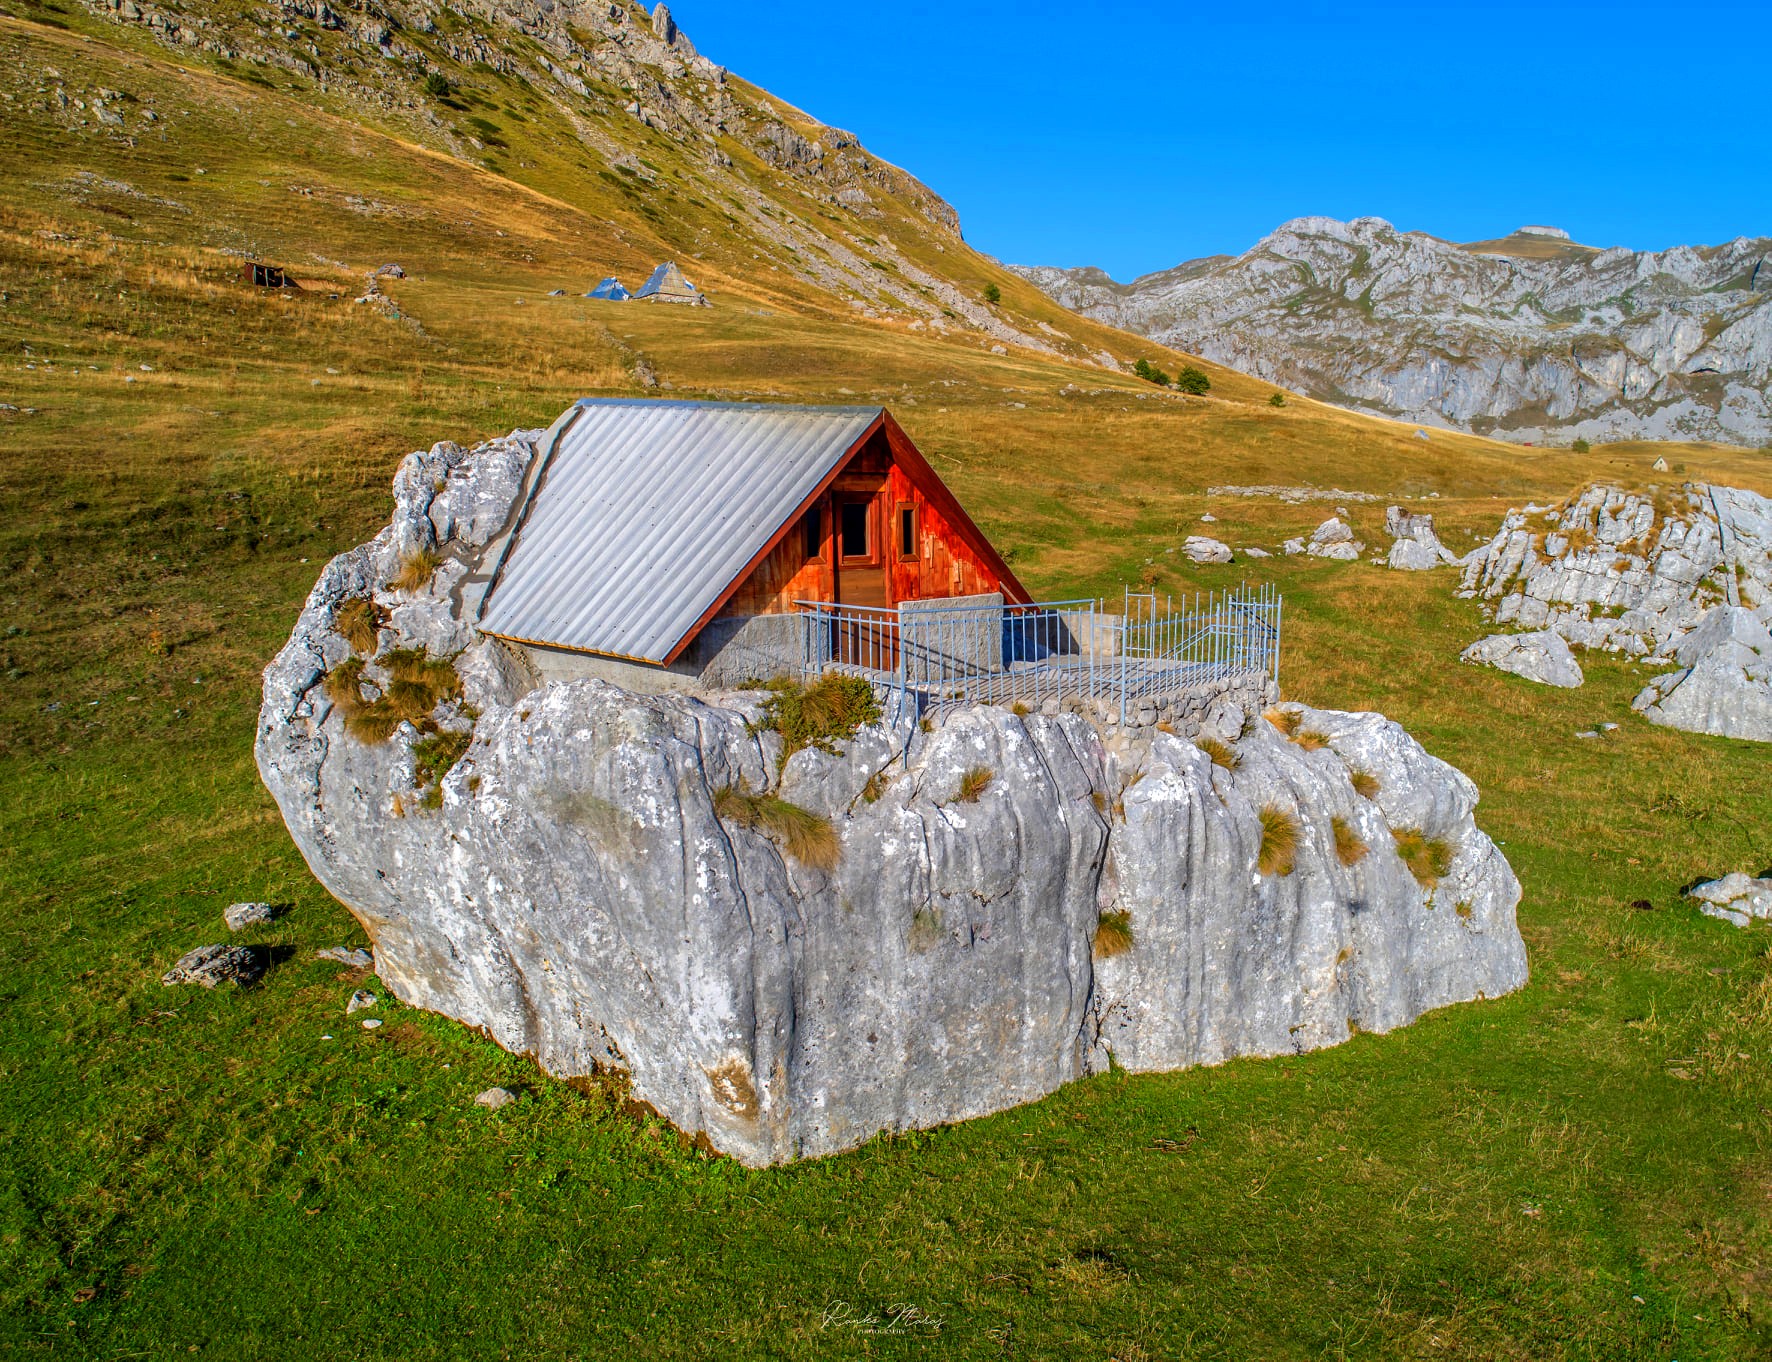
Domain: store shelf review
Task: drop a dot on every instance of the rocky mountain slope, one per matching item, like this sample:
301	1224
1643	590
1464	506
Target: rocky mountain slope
1526	337
601	107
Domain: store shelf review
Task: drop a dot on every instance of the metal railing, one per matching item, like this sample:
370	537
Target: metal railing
931	654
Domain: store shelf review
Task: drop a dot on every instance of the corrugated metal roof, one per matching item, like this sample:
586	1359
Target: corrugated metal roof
611	288
646	511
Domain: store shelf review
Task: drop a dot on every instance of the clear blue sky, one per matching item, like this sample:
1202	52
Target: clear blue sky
1136	135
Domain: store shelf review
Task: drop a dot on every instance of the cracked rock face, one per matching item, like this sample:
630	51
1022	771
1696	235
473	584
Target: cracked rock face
569	886
1724	685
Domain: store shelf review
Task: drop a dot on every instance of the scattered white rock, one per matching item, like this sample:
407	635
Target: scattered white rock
346	955
1203	550
240	916
1417	547
494	1098
371	1024
212	965
360	1001
1737	897
1255	553
1209	519
1333	539
1292	546
1543	656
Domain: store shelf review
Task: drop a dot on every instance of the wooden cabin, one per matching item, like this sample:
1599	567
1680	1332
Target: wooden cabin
666	544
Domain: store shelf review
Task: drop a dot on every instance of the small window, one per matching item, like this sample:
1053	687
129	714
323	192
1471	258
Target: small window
855	529
813	526
907	531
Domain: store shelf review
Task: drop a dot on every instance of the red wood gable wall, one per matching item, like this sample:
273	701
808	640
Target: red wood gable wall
816	559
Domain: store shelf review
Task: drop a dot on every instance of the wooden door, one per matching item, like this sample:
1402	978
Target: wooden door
858	555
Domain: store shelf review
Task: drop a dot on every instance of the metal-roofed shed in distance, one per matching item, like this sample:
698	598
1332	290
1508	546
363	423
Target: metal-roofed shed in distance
610	290
668	545
666	284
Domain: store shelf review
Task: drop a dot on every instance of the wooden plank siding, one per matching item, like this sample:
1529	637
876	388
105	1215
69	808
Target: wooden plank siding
949	556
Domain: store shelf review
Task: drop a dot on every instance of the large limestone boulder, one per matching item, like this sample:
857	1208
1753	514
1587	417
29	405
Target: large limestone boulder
1737	898
1200	549
1542	656
1724	685
571	884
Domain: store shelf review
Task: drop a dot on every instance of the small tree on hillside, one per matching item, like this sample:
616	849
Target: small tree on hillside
992	294
1581	446
1150	373
437	85
1277	400
1192	380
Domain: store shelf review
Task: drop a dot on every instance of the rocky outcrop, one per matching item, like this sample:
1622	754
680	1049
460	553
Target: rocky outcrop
1201	549
570	884
1626	571
1522	338
1542	656
1416	548
1724	685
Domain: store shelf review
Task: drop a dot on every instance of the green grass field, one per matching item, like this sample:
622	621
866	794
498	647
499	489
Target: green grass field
1580	1170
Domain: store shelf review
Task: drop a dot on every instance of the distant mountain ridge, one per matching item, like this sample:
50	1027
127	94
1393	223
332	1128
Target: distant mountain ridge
1525	337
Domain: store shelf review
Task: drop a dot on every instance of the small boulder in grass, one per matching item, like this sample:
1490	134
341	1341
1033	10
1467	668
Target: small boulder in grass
361	1000
212	965
240	916
346	955
494	1098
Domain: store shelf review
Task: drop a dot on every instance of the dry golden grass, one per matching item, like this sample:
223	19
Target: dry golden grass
810	838
1286	720
1279	841
1350	847
1222	753
1429	858
1311	740
415	570
1113	935
358	621
974	783
1365	783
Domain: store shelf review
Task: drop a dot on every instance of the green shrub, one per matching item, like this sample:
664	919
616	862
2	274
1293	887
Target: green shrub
832	709
437	85
1150	373
1581	446
1276	400
1192	380
992	294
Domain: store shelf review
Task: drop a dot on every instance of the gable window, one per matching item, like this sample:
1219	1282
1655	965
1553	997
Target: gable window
813	528
907	531
854	529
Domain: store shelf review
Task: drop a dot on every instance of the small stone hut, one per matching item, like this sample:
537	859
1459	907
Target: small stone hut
666	284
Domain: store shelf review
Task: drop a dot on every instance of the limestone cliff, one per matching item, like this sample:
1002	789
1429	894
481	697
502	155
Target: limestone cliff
1525	338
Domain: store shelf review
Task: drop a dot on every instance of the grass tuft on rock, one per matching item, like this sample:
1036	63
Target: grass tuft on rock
1311	740
1364	782
1350	847
416	569
1279	841
810	838
1222	753
1429	858
1113	935
417	684
974	783
1286	720
830	710
435	755
358	621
